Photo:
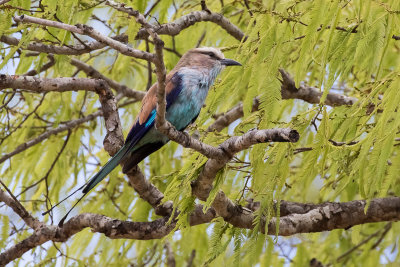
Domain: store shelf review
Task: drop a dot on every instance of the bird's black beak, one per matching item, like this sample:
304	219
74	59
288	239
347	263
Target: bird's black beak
229	62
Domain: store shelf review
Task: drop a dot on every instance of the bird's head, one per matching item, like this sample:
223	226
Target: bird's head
206	58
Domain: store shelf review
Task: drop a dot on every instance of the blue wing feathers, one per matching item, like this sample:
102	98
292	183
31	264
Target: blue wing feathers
151	118
177	82
139	130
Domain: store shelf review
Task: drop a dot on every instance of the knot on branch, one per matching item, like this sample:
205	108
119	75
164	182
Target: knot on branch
84	28
19	18
164	209
130	11
294	136
233	211
158	42
190	20
186	139
103	90
3	78
282	135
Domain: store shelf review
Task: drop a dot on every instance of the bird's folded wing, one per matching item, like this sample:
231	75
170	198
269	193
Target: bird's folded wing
145	119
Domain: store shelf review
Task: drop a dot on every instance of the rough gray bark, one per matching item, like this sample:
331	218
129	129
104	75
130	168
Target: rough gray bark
41	85
312	218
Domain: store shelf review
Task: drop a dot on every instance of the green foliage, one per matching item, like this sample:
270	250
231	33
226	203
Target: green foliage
343	47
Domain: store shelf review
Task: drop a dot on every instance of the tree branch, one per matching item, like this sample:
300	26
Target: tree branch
338	215
61	50
224	120
149	192
180	24
41	85
45	67
112	228
379	232
66	126
89	31
114	138
307	93
322	217
20	210
184	22
311	94
172	28
170	255
120	88
202	186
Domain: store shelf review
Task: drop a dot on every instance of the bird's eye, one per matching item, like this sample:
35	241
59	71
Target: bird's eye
211	54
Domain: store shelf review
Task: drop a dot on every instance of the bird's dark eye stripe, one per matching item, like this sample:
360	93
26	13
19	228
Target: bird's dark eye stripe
211	54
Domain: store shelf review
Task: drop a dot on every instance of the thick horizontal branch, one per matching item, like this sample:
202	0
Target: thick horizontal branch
114	137
317	218
286	207
112	228
98	223
41	85
335	215
311	218
64	84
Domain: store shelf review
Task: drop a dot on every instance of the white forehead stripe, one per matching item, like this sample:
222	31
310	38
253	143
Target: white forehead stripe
212	49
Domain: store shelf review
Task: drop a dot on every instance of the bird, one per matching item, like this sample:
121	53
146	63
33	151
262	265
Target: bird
187	86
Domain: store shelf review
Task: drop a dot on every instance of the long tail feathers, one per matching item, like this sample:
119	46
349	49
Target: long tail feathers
104	171
110	165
